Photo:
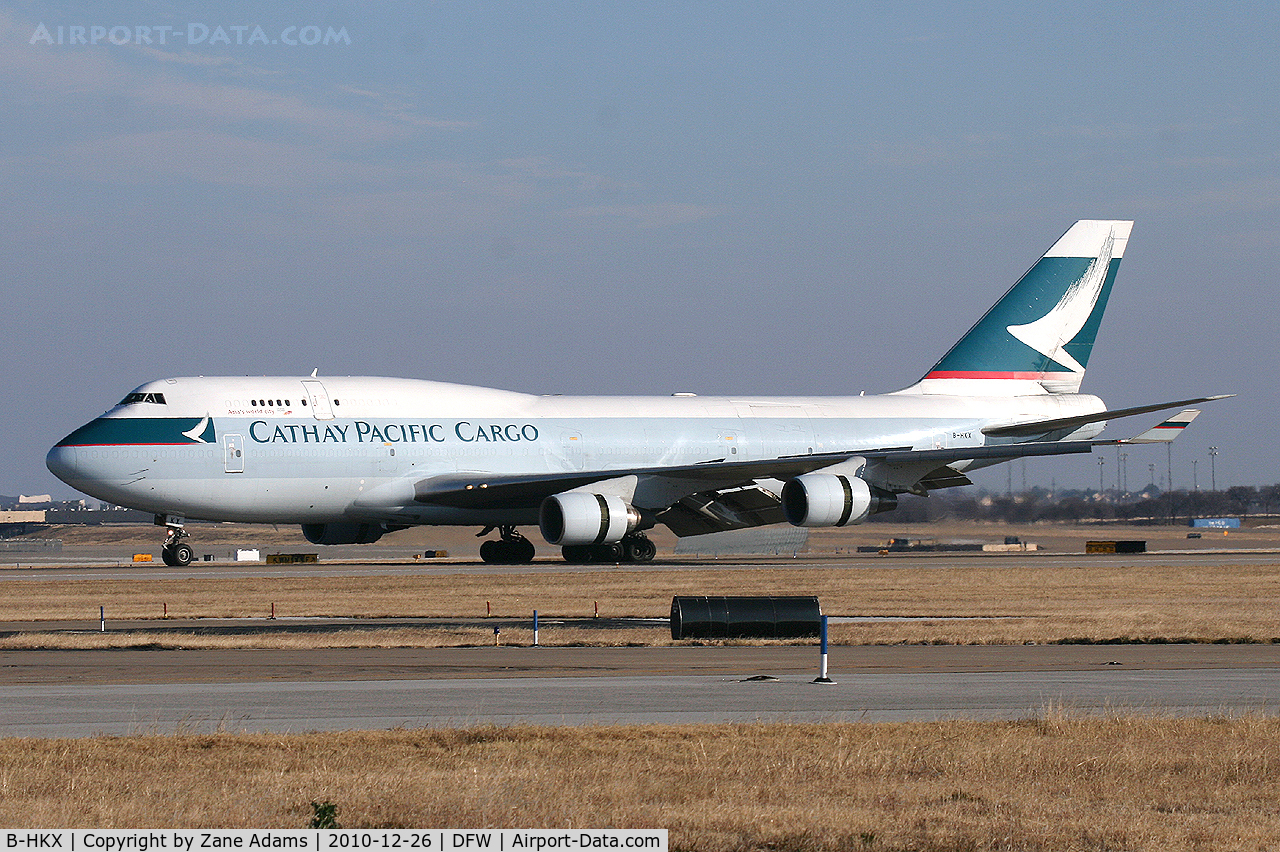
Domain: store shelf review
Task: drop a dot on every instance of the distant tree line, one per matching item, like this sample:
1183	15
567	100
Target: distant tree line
1039	504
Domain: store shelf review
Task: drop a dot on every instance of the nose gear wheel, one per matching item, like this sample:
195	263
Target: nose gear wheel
176	552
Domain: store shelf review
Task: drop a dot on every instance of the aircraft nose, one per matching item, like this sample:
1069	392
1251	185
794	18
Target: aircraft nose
63	463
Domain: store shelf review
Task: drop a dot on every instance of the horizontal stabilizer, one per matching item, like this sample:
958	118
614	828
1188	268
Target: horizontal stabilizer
1001	452
1166	431
1042	427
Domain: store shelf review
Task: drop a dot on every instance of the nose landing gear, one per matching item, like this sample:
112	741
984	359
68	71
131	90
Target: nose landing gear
175	552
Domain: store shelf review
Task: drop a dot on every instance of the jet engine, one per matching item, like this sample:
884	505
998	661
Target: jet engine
577	517
346	533
832	500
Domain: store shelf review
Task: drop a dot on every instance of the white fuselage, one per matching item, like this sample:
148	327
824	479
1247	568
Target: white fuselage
306	450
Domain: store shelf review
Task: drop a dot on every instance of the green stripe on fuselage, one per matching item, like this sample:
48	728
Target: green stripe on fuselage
137	431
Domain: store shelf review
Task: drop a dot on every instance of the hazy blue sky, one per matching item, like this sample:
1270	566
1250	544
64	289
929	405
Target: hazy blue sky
726	198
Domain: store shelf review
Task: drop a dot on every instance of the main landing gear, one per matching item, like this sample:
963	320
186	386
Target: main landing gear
632	548
175	552
511	549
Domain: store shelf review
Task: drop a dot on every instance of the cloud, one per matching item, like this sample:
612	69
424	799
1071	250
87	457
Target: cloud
184	87
203	156
655	215
400	109
143	116
189	57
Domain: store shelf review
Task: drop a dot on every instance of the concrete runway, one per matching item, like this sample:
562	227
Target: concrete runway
80	693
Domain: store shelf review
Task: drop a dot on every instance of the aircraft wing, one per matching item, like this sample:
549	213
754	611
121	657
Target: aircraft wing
720	494
481	490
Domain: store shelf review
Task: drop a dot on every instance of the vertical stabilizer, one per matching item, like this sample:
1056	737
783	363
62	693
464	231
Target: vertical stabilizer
1038	337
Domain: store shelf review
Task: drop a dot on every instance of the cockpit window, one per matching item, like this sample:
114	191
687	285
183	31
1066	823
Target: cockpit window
157	398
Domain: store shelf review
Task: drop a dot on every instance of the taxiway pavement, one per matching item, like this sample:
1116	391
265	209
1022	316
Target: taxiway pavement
127	691
122	692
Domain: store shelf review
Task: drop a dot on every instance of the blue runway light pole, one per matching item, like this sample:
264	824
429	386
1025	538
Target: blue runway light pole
822	677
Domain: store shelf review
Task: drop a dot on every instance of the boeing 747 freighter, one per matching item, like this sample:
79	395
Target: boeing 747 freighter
350	459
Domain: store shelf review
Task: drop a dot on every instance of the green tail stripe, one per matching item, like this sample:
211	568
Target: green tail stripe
988	347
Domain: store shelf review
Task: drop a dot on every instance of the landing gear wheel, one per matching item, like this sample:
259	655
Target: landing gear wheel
615	552
178	554
606	552
511	549
638	548
175	552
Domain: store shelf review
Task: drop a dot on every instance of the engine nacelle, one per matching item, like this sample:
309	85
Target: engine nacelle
832	500
577	517
345	533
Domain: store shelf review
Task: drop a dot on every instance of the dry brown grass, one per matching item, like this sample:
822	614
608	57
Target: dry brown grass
391	637
1002	601
1055	782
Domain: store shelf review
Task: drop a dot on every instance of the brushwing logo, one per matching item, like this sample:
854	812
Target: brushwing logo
1053	331
197	433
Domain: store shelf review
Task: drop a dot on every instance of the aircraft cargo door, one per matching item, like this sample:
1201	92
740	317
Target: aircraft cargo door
318	399
575	454
233	453
783	430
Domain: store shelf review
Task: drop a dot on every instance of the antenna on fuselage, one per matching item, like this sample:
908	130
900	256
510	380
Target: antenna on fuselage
314	372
